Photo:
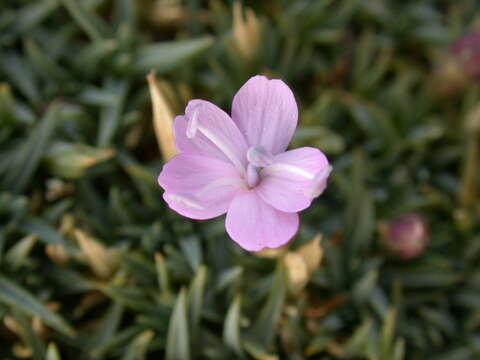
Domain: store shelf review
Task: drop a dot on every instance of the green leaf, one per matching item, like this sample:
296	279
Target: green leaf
17	297
231	327
195	300
163	277
138	348
165	56
111	115
193	251
18	253
32	14
108	327
387	335
178	337
3	240
265	326
20	73
46	233
89	21
357	344
26	161
44	65
365	285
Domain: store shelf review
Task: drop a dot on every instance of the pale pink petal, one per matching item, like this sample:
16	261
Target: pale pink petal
266	113
199	187
254	225
294	179
208	130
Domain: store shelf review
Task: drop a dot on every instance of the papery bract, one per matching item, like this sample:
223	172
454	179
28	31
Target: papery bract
239	165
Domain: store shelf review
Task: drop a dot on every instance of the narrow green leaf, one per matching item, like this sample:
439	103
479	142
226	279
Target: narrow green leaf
195	299
3	240
44	65
387	335
46	233
7	106
364	286
126	12
30	153
108	327
111	115
231	327
32	14
163	57
21	75
265	326
89	21
357	344
138	348
18	253
193	251
178	337
17	297
119	340
163	277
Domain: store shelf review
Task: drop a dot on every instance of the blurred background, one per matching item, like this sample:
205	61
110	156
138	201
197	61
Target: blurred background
93	265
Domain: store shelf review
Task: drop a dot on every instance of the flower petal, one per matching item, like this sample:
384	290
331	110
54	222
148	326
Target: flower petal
294	179
199	187
254	225
207	130
266	113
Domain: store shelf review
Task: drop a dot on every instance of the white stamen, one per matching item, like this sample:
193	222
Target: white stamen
186	200
259	157
194	125
252	176
285	169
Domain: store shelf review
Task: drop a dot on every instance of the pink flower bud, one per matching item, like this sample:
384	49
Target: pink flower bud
467	53
407	236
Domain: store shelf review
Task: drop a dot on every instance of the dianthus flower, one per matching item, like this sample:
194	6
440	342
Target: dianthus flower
239	165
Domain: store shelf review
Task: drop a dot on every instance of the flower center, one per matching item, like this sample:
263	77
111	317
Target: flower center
258	158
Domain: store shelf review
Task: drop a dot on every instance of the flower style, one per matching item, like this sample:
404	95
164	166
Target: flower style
239	165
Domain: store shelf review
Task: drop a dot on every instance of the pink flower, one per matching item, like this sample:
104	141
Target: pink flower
239	165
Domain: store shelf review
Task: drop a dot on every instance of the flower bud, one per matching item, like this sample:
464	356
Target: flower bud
459	66
406	236
467	53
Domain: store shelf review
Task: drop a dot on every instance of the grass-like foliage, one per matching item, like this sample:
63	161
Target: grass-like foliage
93	265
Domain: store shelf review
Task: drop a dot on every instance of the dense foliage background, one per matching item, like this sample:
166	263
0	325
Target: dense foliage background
93	265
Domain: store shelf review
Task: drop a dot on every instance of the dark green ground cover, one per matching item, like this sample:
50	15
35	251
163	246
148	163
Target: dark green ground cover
79	160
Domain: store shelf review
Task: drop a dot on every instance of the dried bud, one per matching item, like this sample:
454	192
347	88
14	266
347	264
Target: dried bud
407	236
269	253
71	161
246	31
162	118
101	259
302	263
